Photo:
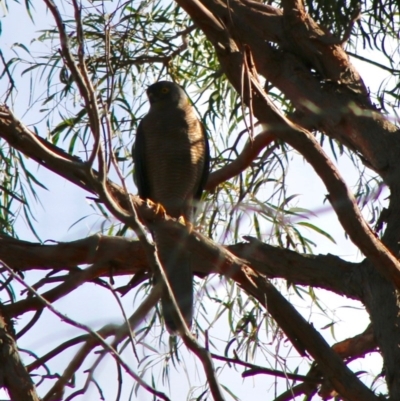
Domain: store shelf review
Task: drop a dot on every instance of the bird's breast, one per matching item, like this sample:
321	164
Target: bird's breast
174	153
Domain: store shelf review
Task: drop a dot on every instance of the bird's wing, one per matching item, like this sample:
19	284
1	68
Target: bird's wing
206	166
141	174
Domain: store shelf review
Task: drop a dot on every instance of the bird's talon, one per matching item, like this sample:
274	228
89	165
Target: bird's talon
158	208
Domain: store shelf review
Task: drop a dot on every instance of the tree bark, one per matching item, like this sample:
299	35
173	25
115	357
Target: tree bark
13	374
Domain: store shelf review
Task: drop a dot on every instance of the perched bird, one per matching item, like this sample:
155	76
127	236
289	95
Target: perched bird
171	157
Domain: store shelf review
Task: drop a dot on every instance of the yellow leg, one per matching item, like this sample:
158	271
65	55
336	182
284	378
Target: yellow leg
158	207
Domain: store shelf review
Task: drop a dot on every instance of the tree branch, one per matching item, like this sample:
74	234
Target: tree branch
273	372
298	330
80	74
293	392
324	271
13	374
205	357
87	329
73	282
119	333
343	202
123	256
251	150
357	346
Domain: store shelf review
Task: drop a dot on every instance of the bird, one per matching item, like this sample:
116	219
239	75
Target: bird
172	157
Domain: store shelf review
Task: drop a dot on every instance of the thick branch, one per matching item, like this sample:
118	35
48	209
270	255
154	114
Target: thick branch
323	271
120	255
13	374
357	346
335	101
123	256
333	368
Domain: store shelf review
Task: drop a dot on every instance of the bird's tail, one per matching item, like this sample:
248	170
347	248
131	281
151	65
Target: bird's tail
176	262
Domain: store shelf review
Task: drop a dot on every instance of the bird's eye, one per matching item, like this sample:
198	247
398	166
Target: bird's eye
164	90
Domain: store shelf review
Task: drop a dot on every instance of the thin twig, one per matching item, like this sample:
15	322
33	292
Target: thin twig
73	282
82	326
255	369
130	324
80	76
208	365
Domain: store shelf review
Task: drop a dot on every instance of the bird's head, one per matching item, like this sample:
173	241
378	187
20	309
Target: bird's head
165	93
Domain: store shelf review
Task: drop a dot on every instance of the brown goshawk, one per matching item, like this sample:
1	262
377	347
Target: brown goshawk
171	156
